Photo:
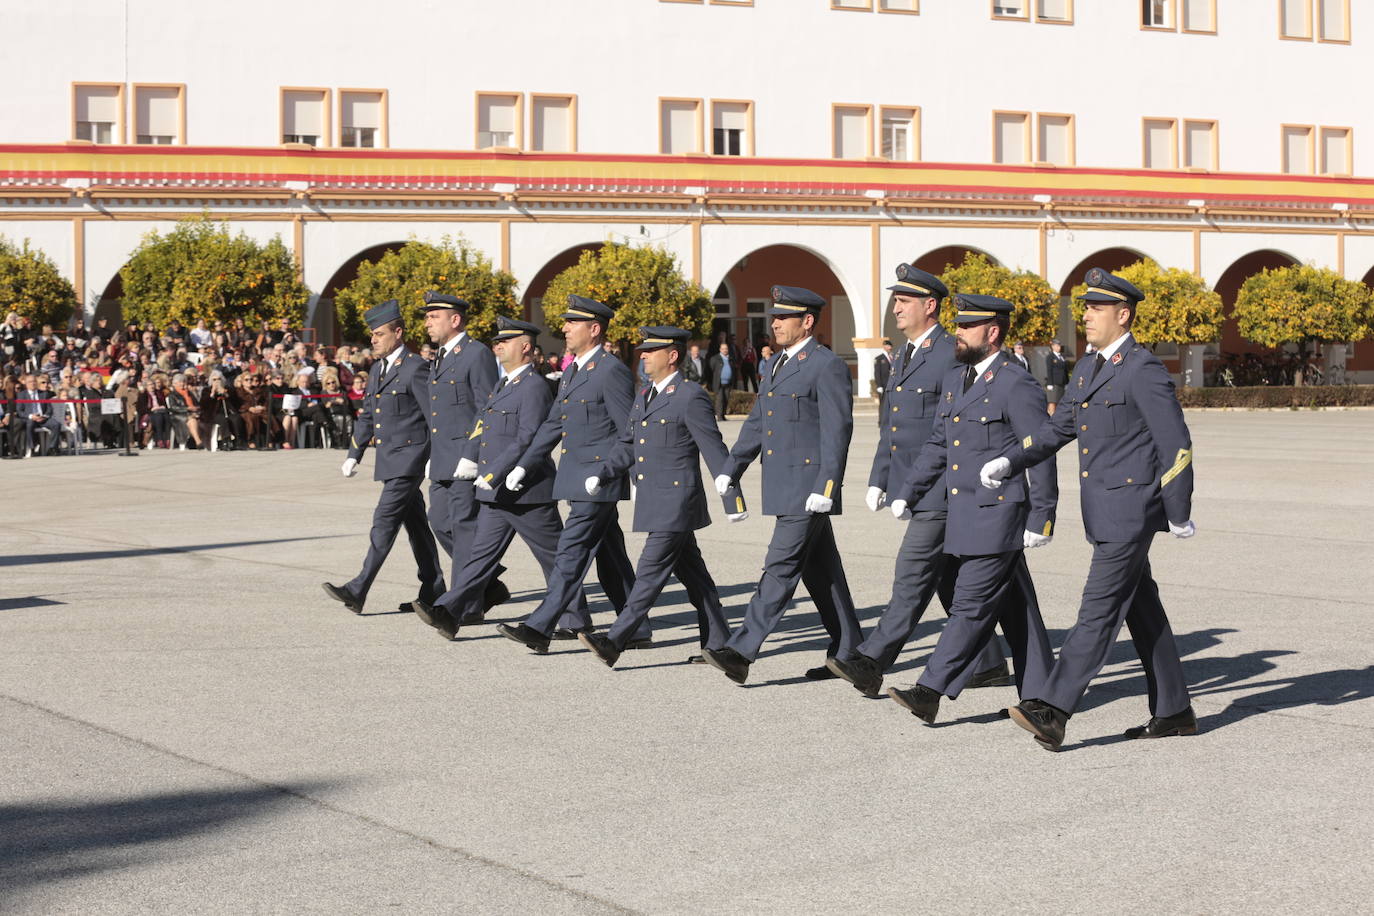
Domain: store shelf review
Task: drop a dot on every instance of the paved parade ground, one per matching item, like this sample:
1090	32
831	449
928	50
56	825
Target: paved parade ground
188	725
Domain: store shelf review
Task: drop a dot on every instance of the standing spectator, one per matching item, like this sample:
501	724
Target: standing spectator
882	374
723	374
1018	356
694	369
1057	369
749	367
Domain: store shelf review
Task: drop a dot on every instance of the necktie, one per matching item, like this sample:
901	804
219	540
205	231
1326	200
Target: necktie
501	384
907	352
649	398
970	374
1098	363
568	376
782	358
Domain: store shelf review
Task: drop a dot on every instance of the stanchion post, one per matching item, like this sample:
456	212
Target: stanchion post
124	415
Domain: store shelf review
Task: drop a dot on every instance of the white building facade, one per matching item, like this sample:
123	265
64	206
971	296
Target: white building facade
816	143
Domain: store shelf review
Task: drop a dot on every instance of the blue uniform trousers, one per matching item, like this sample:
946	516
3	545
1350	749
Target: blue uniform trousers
401	504
1119	588
453	516
672	553
802	550
985	596
922	570
590	529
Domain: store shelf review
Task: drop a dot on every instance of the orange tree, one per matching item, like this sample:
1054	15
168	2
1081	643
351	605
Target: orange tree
1301	304
643	285
31	285
452	266
198	270
1036	317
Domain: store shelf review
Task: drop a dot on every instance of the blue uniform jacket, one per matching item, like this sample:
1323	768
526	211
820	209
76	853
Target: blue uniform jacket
458	386
501	437
1135	455
662	447
1004	406
799	429
391	418
585	421
909	413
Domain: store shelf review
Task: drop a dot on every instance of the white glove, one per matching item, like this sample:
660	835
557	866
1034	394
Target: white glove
592	485
994	472
899	510
426	468
723	484
876	499
818	504
633	492
1186	530
350	467
738	516
466	470
513	480
481	483
1030	540
880	389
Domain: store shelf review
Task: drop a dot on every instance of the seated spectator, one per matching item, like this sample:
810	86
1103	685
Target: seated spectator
156	414
256	410
309	410
34	399
220	409
200	335
338	408
184	409
91	417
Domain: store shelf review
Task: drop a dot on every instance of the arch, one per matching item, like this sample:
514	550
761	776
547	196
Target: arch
320	309
936	261
534	290
1228	287
110	303
1109	259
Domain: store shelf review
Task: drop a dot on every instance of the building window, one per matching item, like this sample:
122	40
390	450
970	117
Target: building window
679	126
732	128
1335	150
1010	9
1200	145
498	120
1160	143
1196	16
362	118
159	113
304	116
851	131
899	6
901	134
1333	20
98	112
1011	137
1054	140
1295	19
1054	11
1200	16
1298	149
851	5
553	123
1157	14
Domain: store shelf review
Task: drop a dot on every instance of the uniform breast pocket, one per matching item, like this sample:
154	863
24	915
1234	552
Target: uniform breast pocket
1115	417
925	404
592	413
504	422
991	428
661	432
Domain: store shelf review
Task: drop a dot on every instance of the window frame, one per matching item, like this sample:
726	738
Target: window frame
749	128
1319	154
1212	4
518	141
914	11
838	5
122	118
732	2
383	129
868	130
1040	20
1145	144
1316	17
915	132
1173	19
326	114
571	99
1027	144
180	139
1214	134
1072	144
1311	148
1003	17
1310	19
700	104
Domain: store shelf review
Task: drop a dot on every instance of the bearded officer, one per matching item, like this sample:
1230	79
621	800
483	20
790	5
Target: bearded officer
913	393
586	417
987	403
392	418
799	429
671	428
1135	479
462	375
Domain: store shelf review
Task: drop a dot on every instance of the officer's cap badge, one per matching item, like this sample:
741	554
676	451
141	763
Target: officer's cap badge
1096	276
777	294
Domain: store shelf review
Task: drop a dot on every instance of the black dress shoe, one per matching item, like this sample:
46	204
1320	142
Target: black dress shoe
474	617
735	666
437	617
643	642
696	659
526	636
601	647
861	671
999	676
923	702
1042	720
496	593
1183	723
344	596
820	674
568	633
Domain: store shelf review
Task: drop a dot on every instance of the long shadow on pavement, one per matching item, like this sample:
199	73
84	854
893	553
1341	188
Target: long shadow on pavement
127	553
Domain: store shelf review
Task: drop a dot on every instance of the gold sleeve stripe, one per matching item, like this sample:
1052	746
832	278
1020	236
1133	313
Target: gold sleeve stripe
488	477
829	485
1026	442
476	430
739	503
1049	526
1181	461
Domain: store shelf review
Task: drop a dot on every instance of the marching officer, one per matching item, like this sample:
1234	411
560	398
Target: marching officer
586	417
671	427
462	375
392	418
987	405
1135	478
799	428
908	413
502	433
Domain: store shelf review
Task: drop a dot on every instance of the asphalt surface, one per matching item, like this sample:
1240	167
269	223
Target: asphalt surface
188	725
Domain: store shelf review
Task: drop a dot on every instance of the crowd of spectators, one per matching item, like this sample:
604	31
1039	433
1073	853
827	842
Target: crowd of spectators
217	386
